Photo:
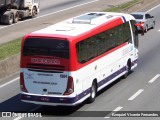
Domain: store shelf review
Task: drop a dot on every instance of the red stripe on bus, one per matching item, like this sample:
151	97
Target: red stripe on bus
103	27
72	64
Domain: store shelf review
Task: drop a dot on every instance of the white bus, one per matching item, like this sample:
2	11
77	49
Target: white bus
69	62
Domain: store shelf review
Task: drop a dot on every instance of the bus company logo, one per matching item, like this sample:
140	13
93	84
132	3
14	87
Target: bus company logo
45	61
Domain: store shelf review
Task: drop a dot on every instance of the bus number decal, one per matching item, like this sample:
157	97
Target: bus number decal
63	76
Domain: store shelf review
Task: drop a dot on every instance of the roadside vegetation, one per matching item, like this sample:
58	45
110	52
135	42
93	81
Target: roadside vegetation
10	48
13	47
122	6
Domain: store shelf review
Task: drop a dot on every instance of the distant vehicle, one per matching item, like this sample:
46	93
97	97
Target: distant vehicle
13	10
69	62
145	19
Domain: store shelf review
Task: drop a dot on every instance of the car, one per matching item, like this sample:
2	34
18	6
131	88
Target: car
145	19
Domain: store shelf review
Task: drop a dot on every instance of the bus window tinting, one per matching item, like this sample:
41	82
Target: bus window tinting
103	42
135	33
46	47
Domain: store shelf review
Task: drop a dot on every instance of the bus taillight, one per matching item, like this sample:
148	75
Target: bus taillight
70	86
22	85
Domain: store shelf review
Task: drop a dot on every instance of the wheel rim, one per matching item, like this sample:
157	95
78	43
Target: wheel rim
153	25
11	19
128	68
34	13
93	91
146	29
16	17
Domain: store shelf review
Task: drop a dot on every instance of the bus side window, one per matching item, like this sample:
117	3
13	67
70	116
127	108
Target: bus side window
118	35
127	33
107	35
136	41
81	49
91	47
135	33
101	43
110	39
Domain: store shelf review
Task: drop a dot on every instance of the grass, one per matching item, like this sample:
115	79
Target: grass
122	6
10	48
13	47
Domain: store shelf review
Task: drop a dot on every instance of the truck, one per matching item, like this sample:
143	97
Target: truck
11	11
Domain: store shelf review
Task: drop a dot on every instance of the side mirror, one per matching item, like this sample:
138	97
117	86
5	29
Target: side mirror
141	27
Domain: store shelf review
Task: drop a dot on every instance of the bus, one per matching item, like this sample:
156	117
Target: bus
69	62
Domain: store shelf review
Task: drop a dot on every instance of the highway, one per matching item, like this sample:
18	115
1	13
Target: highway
138	92
51	12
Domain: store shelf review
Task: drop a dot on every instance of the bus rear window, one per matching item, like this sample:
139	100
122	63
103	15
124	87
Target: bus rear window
46	47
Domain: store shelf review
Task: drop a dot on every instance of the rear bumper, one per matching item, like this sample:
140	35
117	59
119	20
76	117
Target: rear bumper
53	101
46	100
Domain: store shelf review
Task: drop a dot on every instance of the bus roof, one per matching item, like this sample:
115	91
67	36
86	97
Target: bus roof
81	24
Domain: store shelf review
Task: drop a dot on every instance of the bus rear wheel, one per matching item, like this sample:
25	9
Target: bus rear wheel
93	92
128	69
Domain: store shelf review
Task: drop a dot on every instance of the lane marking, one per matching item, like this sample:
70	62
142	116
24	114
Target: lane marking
136	94
51	13
9	82
107	117
154	79
158	30
69	8
18	118
115	110
118	108
153	8
65	10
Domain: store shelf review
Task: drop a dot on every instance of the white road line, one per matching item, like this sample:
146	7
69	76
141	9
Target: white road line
52	13
158	30
65	10
107	117
118	109
153	8
136	94
9	82
69	8
154	79
18	118
115	110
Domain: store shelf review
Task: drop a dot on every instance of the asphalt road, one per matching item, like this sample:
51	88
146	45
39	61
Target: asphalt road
139	92
53	11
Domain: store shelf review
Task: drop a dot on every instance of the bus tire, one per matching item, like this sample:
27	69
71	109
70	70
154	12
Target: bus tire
128	69
93	92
